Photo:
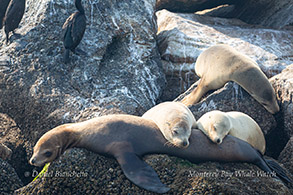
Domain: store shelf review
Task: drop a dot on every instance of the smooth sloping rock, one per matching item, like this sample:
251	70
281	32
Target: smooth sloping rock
182	37
190	5
270	13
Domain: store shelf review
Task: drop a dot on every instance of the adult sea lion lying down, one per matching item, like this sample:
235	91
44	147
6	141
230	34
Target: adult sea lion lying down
127	138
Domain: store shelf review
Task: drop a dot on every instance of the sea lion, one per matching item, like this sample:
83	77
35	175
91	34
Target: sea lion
221	63
175	121
128	138
217	124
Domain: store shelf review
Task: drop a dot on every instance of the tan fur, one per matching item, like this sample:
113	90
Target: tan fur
221	63
216	125
175	121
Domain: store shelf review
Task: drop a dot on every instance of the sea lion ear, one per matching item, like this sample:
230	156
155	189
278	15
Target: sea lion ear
168	123
140	173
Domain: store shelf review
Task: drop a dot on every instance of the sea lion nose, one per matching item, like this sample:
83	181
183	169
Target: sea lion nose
184	143
218	141
32	161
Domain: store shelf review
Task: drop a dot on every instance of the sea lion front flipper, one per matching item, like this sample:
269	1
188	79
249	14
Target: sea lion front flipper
140	173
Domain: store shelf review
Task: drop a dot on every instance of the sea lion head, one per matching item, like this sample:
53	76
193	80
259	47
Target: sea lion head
49	147
218	126
178	134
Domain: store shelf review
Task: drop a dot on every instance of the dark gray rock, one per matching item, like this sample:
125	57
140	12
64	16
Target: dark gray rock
19	147
121	72
286	156
101	175
283	84
9	180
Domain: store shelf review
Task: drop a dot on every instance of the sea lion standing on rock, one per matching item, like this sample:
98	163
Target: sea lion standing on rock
221	63
217	124
175	121
128	138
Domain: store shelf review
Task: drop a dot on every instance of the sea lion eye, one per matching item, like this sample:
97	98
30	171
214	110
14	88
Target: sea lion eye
176	132
48	154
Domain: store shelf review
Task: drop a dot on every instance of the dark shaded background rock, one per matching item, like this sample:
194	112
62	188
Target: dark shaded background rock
270	13
9	180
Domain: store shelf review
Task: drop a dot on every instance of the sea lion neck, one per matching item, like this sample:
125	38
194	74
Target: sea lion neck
69	137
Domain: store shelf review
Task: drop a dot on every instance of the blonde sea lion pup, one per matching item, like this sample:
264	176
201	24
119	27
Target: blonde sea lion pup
174	120
216	125
221	63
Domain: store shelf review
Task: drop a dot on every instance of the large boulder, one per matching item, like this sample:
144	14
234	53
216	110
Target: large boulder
270	13
121	72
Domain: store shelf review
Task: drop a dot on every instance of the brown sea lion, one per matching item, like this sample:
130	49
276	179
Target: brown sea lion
127	138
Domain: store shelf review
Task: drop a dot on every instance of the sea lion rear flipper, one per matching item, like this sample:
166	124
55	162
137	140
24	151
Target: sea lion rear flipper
140	173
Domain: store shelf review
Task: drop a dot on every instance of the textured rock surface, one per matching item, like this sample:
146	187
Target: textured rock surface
20	146
9	181
271	13
286	156
120	74
283	84
102	175
5	152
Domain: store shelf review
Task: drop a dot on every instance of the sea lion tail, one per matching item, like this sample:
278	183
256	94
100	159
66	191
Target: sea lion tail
281	173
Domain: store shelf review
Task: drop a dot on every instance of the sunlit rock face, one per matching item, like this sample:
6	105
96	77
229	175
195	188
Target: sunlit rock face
182	37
